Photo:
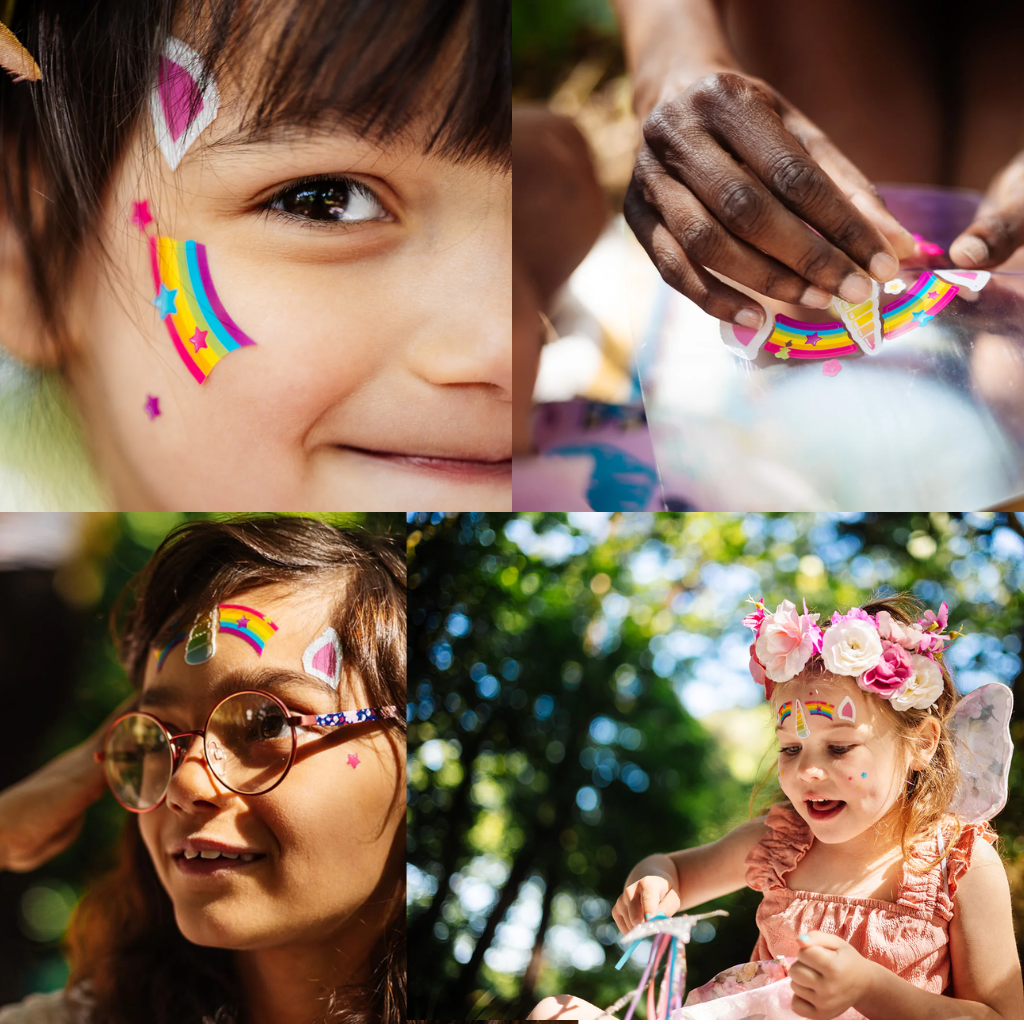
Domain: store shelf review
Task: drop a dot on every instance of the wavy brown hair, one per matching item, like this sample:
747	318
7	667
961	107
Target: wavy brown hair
926	792
124	944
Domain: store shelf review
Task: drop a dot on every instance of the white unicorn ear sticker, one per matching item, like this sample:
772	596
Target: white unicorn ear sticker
183	102
322	658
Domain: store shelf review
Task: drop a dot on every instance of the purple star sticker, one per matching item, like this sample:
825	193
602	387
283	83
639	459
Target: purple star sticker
243	623
152	407
141	215
813	338
198	339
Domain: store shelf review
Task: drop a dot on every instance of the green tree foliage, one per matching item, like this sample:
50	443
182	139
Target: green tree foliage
557	668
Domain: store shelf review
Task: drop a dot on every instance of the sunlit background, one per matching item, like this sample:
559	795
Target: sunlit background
59	578
579	698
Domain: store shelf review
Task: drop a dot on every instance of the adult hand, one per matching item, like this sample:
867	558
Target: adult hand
829	976
42	815
731	177
652	894
998	226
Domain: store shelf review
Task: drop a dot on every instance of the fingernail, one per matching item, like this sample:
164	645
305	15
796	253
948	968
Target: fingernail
804	938
816	297
970	248
748	317
883	266
855	288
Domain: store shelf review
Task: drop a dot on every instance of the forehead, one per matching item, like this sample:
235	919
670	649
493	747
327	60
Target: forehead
831	690
279	623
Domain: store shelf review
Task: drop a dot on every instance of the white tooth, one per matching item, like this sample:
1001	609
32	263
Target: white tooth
209	854
230	856
191	854
248	856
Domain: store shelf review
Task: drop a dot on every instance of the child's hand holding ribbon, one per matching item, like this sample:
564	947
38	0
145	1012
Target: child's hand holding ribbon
829	976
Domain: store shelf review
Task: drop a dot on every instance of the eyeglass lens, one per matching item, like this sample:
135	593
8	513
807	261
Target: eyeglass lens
249	746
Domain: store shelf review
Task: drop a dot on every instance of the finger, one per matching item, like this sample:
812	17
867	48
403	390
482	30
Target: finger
850	181
708	243
738	116
671	904
804	974
804	1008
998	227
681	273
814	938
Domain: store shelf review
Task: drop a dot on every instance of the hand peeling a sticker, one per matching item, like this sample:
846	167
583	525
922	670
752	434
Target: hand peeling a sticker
997	230
16	59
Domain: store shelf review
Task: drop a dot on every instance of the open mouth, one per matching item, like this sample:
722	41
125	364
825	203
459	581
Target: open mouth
822	810
210	862
437	464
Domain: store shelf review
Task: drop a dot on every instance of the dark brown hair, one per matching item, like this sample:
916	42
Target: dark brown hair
124	943
927	792
368	63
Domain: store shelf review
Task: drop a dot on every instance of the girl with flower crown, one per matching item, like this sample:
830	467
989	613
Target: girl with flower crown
883	894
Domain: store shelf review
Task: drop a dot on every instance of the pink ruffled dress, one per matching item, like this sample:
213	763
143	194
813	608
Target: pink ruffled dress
910	936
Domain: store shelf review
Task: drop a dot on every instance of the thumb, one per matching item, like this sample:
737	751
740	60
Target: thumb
650	901
998	227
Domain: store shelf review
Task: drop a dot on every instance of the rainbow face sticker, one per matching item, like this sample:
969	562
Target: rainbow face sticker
183	101
785	710
820	707
247	624
171	644
201	329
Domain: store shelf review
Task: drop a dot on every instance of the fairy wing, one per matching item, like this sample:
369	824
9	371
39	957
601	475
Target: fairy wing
981	729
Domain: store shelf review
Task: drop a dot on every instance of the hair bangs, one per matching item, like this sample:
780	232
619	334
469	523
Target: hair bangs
379	68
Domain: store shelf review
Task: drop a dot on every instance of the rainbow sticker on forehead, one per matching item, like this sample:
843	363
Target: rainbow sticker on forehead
201	329
785	710
247	624
820	707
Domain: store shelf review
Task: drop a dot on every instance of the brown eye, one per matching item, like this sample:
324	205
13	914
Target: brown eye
337	200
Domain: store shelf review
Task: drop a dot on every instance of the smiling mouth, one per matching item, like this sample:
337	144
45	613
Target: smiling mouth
438	464
210	863
822	810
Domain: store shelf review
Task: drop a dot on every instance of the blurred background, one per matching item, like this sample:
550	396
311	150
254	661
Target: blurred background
59	678
579	698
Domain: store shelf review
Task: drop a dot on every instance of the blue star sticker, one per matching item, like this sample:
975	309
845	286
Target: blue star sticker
921	317
164	302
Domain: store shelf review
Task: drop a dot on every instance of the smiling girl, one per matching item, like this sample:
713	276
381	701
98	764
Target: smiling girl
260	876
270	236
883	896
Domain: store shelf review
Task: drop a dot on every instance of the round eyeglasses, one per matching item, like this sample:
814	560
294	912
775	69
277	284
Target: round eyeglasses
249	743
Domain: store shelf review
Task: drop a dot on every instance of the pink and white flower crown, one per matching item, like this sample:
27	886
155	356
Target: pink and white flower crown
892	659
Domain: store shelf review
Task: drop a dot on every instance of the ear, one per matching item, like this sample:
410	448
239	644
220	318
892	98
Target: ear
23	333
928	735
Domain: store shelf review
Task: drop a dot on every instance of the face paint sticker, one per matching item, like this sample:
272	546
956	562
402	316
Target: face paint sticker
846	712
353	760
167	650
820	707
322	658
801	722
201	329
152	407
862	319
247	624
202	640
183	102
785	710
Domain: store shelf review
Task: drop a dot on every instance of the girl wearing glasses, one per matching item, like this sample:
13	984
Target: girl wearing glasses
262	762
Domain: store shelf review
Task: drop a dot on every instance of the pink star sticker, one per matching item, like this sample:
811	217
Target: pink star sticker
933	295
152	407
243	623
140	215
353	760
198	339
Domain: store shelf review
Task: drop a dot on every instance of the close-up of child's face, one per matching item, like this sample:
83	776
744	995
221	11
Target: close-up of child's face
323	838
369	277
857	765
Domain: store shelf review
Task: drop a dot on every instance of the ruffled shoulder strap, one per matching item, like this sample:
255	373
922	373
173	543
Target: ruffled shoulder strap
932	893
788	838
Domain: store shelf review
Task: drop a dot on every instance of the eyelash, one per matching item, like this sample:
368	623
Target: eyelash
793	751
350	186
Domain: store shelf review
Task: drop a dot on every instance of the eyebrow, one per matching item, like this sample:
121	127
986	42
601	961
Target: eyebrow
281	682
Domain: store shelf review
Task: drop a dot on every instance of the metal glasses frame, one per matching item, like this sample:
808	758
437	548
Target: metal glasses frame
180	743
